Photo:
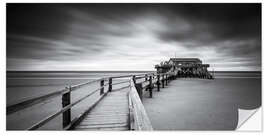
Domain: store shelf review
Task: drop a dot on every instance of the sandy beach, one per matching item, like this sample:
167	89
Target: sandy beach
196	104
185	104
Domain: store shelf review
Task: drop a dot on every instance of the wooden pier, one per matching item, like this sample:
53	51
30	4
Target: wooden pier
112	113
115	108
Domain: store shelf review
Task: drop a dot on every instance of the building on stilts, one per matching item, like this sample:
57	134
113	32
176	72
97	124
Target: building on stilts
185	68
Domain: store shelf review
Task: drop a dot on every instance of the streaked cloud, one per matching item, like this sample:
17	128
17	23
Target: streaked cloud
133	37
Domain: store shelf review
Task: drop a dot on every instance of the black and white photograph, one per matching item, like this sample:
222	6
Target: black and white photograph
133	66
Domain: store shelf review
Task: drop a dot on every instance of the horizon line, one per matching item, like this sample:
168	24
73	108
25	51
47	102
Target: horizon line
119	71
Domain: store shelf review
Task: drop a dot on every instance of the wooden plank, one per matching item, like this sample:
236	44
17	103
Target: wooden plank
110	110
111	114
107	110
102	126
116	101
106	115
106	119
99	122
102	122
79	118
106	129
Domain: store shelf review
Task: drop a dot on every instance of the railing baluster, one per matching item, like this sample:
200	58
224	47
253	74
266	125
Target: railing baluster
110	85
150	86
158	82
66	102
134	79
139	87
166	79
163	79
101	86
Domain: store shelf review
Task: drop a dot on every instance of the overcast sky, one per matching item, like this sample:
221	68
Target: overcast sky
132	36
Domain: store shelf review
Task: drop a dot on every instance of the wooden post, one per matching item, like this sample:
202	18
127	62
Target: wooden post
150	87
213	76
134	79
139	89
138	86
65	102
110	85
146	76
163	79
158	82
101	86
146	79
166	79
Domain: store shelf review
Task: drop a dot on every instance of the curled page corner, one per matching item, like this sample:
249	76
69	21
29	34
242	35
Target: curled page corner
249	120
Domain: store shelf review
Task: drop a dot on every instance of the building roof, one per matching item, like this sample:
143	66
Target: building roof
185	59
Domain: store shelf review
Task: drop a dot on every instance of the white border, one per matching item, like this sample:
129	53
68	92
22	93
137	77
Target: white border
265	68
253	122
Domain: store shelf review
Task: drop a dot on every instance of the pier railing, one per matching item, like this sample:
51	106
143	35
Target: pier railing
138	84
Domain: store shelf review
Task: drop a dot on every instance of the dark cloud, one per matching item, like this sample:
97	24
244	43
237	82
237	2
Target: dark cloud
217	21
38	34
45	20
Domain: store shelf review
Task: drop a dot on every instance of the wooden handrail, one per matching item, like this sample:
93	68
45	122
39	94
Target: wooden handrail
27	103
47	119
30	102
68	106
138	119
68	123
83	84
122	76
120	82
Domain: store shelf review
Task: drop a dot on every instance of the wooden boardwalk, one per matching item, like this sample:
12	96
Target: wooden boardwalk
112	113
117	107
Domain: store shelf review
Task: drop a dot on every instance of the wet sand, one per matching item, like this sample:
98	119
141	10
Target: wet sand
196	104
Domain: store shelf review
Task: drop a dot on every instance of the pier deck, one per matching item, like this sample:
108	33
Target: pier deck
117	103
112	113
